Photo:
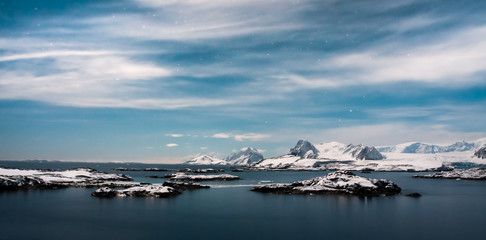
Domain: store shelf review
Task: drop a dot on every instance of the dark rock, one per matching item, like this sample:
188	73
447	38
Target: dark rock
184	185
104	192
413	195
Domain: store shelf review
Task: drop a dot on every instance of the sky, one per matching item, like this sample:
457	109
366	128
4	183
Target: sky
163	81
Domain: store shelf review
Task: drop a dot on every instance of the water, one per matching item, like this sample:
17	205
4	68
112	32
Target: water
448	209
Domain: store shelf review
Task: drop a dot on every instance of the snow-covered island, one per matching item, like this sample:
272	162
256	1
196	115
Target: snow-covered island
152	190
467	174
15	179
187	177
340	182
123	169
48	179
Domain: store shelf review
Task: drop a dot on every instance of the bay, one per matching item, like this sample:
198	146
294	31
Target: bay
448	209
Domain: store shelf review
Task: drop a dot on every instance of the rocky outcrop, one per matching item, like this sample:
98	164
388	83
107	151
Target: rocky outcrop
304	149
481	153
467	174
340	182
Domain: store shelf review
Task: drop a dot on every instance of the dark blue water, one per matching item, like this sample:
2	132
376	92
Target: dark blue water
448	209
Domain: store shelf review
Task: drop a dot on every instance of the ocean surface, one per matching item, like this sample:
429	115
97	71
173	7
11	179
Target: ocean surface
448	209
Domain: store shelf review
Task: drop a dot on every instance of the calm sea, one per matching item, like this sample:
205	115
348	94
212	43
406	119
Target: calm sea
448	209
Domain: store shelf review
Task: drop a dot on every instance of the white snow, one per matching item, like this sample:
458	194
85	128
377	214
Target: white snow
74	176
152	189
332	156
184	176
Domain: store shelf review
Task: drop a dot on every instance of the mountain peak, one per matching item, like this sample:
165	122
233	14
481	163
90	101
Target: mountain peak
361	152
304	149
245	156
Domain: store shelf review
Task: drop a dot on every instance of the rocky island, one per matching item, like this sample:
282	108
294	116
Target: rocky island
339	182
466	174
152	190
184	176
12	179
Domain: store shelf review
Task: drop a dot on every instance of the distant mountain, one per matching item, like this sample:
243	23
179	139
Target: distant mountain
206	159
341	151
332	150
245	156
424	148
304	149
361	152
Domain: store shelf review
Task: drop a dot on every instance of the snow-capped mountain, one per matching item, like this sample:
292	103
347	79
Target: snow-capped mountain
341	151
424	148
304	149
306	155
245	156
206	159
361	152
481	153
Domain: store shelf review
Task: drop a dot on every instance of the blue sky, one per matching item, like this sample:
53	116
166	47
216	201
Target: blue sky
161	81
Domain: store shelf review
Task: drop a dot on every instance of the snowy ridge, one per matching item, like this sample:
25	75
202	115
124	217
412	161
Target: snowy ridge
206	159
307	155
425	148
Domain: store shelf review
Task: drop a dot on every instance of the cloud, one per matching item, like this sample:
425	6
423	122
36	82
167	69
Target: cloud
251	137
175	135
455	59
90	79
221	135
396	133
198	20
242	137
171	145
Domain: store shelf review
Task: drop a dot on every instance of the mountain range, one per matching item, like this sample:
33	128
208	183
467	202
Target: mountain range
304	153
245	156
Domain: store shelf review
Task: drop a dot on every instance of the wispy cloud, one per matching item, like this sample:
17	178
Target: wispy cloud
175	135
171	145
251	137
242	137
221	135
